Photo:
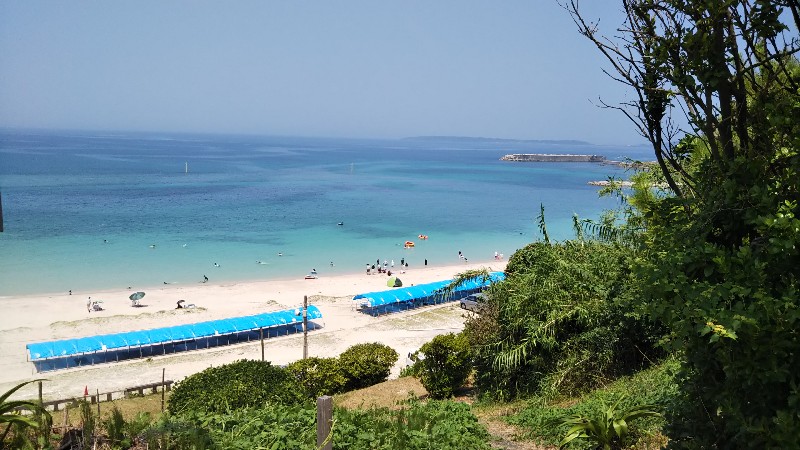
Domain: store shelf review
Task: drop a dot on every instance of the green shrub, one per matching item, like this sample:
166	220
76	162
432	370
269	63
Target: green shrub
415	426
447	364
88	421
318	376
544	418
430	425
237	385
122	434
17	424
177	433
137	425
608	427
563	321
367	364
413	370
115	429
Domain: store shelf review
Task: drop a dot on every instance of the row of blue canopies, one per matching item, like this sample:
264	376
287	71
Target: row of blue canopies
436	292
143	338
429	291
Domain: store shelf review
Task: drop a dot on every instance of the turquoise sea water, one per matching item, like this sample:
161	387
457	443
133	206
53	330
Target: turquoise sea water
89	211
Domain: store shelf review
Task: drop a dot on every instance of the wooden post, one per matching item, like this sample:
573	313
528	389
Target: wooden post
41	403
66	417
261	333
98	405
163	388
1	212
324	418
305	326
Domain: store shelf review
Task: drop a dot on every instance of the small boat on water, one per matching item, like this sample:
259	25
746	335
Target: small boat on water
423	236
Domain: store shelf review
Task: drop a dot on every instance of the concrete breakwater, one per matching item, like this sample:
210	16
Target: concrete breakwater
539	157
606	183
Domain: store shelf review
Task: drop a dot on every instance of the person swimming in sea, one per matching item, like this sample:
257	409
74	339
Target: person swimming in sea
216	265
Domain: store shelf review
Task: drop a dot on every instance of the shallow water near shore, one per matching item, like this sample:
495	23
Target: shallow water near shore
89	211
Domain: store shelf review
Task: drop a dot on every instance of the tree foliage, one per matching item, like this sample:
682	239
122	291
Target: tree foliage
367	364
318	376
446	364
236	385
562	322
722	270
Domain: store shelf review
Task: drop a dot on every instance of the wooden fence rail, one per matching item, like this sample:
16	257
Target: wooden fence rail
166	385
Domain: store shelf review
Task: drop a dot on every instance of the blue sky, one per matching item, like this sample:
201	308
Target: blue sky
511	69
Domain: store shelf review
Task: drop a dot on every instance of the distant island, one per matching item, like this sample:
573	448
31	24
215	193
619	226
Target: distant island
491	140
538	157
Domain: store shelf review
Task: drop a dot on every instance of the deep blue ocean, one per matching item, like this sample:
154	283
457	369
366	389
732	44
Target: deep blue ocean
89	211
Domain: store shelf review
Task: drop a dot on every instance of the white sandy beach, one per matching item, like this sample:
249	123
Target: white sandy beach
37	318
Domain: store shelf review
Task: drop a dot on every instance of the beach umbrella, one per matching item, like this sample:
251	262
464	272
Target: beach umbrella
394	282
136	296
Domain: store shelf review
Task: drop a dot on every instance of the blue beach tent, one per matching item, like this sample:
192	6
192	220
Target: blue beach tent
429	292
174	334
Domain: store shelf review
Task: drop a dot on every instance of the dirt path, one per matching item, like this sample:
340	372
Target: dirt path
504	435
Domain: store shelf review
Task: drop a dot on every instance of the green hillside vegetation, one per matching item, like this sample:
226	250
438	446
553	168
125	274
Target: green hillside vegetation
673	321
719	259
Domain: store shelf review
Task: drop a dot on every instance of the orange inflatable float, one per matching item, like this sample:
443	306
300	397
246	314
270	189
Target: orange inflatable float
408	244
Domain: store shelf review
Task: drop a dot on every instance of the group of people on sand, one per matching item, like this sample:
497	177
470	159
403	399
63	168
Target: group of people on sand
385	268
93	305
